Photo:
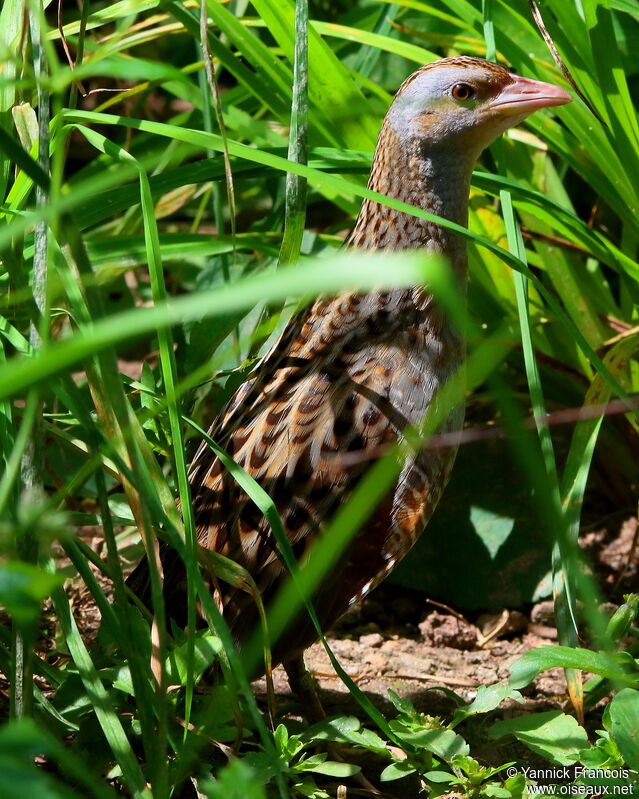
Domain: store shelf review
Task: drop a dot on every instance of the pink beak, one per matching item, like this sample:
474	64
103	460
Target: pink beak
523	96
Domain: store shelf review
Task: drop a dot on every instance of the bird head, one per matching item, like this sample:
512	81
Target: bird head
465	103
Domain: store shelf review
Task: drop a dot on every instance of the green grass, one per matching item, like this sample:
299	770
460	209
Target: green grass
155	224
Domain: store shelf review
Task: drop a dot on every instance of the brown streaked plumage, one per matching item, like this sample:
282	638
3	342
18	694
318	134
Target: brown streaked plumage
349	373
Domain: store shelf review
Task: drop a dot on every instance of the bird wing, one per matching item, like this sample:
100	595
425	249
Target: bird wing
325	402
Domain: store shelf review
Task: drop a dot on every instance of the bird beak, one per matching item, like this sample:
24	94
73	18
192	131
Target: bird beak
523	96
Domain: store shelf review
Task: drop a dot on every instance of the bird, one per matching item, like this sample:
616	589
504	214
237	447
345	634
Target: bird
349	373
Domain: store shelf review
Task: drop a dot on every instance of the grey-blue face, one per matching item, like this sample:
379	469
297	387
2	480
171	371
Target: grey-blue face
466	103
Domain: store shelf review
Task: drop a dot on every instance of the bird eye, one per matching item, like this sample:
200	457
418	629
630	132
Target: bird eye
462	91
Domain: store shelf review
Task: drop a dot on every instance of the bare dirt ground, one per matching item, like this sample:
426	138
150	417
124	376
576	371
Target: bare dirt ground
400	640
396	640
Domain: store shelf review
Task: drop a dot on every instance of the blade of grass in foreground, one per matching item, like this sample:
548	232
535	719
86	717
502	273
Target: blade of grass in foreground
564	559
295	213
231	665
332	89
32	461
369	54
343	271
577	470
168	369
564	603
122	432
109	721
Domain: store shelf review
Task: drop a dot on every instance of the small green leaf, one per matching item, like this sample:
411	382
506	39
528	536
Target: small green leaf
346	729
496	790
443	743
623	617
23	587
26	122
554	735
236	781
395	771
401	704
474	770
488	698
281	737
334	730
516	785
123	681
207	649
624	714
524	670
334	769
440	776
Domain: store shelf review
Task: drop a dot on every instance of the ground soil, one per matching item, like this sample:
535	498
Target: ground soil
413	659
403	641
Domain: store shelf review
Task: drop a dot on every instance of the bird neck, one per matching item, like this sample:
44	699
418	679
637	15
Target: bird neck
433	178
